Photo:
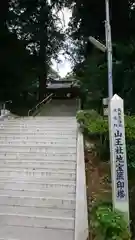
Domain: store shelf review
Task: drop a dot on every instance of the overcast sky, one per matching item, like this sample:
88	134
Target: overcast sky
65	66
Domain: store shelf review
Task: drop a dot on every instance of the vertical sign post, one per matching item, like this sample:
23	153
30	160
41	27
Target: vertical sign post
118	157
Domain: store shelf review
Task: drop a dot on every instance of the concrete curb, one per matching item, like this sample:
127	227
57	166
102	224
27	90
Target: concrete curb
81	218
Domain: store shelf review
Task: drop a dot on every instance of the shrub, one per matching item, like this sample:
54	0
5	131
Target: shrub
107	224
96	127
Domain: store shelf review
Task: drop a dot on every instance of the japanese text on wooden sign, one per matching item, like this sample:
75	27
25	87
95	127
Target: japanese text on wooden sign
120	155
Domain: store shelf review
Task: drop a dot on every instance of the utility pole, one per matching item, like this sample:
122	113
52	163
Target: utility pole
110	86
109	49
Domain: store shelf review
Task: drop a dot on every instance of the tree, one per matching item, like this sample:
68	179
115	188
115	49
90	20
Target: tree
88	20
16	65
36	24
52	74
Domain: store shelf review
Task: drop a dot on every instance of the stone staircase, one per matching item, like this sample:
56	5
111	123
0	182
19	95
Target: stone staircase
42	179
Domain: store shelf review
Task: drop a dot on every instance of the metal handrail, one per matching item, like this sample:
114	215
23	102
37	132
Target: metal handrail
3	107
39	104
4	103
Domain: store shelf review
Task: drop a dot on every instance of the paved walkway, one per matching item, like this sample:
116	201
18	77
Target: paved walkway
59	108
42	176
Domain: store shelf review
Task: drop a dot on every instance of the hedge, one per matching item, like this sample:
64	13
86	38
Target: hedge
95	127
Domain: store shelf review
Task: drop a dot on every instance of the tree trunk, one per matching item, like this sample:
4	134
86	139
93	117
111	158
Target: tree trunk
42	71
43	50
4	12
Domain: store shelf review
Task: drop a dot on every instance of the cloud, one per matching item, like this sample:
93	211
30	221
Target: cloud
65	15
65	65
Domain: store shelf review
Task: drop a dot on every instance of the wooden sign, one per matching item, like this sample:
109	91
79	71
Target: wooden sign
118	157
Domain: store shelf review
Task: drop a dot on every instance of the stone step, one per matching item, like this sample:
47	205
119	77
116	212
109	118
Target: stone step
64	213
32	149
34	193
47	187
42	122
45	136
37	156
35	131
38	124
39	165
37	144
38	178
40	138
41	202
53	127
61	118
39	182
45	118
29	233
39	133
37	128
26	220
40	117
38	170
44	174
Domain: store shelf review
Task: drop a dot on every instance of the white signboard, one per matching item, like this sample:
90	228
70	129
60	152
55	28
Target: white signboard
118	157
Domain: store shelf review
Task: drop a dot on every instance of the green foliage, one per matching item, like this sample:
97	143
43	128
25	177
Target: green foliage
93	123
85	116
16	66
37	23
107	224
95	126
30	37
92	74
90	65
88	19
93	80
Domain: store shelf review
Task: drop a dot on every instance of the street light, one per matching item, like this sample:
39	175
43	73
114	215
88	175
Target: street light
98	44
